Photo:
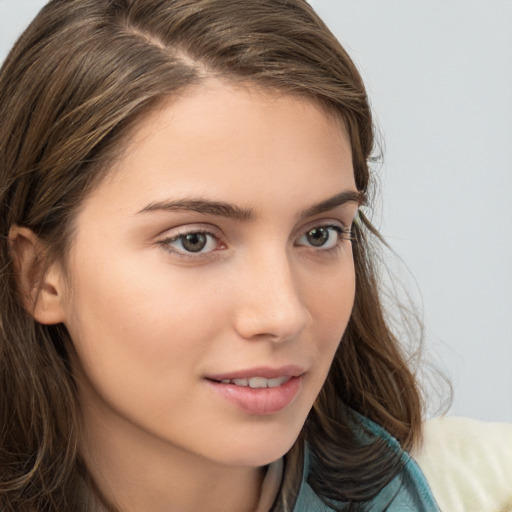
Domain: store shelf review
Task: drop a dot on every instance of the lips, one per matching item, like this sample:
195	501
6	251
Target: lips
259	391
263	372
258	382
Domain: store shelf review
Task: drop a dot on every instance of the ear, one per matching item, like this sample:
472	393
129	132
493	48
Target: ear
41	287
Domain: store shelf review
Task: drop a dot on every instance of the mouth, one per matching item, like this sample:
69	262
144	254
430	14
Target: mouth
257	382
259	377
260	391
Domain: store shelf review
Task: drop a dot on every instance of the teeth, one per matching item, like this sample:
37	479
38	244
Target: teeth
274	383
257	382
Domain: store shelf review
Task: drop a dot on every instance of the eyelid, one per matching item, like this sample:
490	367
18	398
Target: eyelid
175	234
343	233
327	222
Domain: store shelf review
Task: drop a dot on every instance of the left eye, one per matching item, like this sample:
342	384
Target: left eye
194	242
321	237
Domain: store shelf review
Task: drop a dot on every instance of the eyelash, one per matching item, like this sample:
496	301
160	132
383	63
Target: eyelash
166	243
342	233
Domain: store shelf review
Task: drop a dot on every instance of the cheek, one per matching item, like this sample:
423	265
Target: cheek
144	320
141	340
331	308
332	299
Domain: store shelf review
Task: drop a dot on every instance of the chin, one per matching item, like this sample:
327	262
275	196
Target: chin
259	449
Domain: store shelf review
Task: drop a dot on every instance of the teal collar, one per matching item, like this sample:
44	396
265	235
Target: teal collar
407	492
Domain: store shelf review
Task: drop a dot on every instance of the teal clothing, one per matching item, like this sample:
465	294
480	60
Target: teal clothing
407	492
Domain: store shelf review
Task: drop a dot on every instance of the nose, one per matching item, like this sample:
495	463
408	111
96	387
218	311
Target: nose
269	303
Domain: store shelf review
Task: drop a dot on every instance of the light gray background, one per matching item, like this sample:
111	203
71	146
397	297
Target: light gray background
439	75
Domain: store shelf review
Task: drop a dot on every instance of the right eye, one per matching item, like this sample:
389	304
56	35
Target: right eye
193	242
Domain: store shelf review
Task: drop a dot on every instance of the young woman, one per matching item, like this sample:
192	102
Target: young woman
190	315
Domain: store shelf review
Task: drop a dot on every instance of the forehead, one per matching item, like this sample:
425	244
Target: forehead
242	141
233	103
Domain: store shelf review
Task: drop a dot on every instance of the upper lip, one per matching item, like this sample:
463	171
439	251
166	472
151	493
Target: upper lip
266	372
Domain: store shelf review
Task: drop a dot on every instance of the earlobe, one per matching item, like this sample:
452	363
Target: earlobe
40	285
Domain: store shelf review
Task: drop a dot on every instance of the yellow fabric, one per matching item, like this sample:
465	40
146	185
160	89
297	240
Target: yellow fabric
468	464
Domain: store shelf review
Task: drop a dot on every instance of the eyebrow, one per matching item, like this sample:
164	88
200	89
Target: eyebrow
347	196
217	208
221	209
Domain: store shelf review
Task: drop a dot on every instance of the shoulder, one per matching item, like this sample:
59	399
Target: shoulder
468	464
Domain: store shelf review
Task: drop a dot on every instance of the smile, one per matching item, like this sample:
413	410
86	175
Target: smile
258	395
258	382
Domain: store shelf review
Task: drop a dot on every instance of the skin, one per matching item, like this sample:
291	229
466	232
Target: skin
150	321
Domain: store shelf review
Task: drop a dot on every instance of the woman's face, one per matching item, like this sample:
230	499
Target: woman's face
211	275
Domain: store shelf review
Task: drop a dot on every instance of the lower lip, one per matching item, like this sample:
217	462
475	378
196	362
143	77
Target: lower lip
259	401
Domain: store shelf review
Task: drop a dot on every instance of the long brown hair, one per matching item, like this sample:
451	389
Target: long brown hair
75	82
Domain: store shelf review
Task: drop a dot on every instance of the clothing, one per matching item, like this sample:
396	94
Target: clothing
463	466
407	492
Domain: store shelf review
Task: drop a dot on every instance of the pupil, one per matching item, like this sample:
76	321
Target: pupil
194	242
318	236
